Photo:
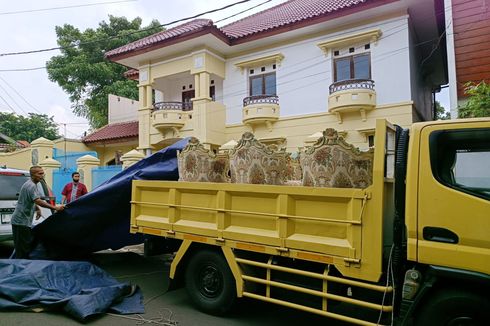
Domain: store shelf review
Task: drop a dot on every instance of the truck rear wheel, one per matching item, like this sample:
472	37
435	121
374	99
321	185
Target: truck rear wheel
454	307
210	283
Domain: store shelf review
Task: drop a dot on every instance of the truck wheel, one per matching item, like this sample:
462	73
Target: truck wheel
454	307
210	283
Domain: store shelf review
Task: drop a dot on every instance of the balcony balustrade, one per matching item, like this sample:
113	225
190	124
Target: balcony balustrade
182	106
171	115
260	109
352	95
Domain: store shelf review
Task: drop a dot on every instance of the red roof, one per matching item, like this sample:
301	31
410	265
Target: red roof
24	143
113	131
186	28
132	74
281	18
284	14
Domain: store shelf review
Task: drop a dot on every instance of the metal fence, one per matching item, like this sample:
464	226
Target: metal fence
60	178
104	173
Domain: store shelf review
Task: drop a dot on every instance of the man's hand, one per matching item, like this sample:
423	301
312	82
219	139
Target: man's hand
38	214
59	208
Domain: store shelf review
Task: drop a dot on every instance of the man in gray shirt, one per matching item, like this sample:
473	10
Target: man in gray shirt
28	203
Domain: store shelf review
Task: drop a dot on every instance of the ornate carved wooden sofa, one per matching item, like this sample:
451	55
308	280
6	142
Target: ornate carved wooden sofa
253	162
199	164
294	174
331	162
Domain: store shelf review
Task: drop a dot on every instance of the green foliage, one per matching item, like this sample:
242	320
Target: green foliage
478	104
28	128
441	113
85	74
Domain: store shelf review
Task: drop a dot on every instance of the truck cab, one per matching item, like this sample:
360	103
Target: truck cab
448	217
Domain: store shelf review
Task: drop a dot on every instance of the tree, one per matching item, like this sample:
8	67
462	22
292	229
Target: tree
85	74
28	128
441	113
478	104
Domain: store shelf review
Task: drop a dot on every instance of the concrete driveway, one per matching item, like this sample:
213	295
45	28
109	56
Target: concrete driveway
162	307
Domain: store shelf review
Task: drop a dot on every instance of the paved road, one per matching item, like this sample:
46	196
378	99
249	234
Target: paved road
173	307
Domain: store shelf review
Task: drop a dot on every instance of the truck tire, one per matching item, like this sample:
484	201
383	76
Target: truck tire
454	307
210	283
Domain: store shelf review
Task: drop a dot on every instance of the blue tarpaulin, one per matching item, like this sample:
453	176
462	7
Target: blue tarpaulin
100	219
80	289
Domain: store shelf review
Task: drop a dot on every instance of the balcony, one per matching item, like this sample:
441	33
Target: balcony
260	109
352	95
171	115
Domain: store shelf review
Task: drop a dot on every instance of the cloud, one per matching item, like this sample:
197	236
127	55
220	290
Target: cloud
36	30
75	126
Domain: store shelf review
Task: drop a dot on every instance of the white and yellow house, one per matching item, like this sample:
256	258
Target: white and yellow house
289	72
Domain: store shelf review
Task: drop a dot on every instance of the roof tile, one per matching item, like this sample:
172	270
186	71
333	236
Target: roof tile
289	12
192	26
284	14
113	131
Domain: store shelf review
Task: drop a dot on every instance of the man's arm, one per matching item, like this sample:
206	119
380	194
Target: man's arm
64	194
84	189
38	212
44	204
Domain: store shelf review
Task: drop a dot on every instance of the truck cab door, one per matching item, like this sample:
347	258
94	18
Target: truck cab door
453	226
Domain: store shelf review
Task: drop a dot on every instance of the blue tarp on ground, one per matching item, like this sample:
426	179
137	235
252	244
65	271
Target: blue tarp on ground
100	219
77	288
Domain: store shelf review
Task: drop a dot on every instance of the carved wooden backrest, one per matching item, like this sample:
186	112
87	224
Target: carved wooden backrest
253	162
293	168
331	162
198	164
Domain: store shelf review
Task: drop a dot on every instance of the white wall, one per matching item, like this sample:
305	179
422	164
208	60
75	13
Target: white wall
306	72
122	109
451	60
172	87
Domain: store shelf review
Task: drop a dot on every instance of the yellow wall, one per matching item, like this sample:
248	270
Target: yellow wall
210	64
168	68
106	154
297	129
71	145
21	159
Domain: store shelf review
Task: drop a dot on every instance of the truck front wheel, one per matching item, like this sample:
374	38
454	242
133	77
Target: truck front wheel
454	307
210	283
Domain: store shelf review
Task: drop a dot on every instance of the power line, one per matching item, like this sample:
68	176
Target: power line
8	105
66	7
292	45
128	34
11	98
74	123
241	12
23	98
23	69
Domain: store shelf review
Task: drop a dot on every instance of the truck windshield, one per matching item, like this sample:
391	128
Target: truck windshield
10	185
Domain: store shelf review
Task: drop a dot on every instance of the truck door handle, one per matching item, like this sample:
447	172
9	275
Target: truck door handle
436	234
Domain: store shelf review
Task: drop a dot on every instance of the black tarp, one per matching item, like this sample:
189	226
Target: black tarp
80	289
100	219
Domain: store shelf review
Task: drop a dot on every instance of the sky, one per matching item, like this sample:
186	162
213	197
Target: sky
32	91
30	25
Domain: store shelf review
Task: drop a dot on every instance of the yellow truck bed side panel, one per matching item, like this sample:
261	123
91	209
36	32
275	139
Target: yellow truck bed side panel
344	224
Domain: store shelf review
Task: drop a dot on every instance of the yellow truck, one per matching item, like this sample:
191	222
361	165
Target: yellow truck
412	248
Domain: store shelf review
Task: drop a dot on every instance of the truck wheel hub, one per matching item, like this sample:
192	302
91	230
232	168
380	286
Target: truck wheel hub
210	281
